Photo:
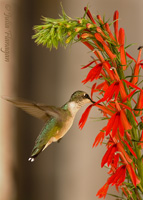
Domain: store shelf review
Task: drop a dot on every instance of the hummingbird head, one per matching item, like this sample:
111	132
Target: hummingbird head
77	100
80	98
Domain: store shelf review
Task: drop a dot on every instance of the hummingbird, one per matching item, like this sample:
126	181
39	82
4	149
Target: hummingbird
58	120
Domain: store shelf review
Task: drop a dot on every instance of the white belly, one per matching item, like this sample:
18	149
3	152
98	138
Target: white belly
61	132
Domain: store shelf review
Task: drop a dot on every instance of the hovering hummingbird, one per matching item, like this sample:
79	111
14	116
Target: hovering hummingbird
57	120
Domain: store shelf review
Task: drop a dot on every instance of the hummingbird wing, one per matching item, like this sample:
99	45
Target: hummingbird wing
37	110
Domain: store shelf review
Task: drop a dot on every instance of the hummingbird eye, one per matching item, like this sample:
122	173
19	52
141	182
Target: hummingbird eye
86	96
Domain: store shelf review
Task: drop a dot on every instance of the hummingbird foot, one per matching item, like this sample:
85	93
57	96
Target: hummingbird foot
31	159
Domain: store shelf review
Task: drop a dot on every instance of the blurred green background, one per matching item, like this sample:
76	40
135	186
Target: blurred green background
69	170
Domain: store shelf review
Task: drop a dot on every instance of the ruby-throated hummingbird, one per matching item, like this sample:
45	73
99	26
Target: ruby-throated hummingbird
57	120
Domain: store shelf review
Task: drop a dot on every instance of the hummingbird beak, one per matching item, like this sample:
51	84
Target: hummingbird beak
92	100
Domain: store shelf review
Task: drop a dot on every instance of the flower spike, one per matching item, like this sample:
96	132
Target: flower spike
119	100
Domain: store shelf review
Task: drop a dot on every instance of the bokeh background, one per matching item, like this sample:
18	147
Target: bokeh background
69	170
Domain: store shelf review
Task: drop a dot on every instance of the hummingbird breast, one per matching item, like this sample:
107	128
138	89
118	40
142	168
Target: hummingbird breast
53	130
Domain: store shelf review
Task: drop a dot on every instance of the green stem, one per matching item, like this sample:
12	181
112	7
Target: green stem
137	194
136	148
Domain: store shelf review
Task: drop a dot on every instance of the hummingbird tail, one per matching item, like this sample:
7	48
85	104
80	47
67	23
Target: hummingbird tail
35	153
32	158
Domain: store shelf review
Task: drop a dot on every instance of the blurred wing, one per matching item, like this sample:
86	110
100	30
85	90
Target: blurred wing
37	110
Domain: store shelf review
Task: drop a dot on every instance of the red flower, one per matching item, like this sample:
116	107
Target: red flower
99	138
103	191
84	116
122	51
118	120
115	18
102	87
109	155
94	73
118	177
114	89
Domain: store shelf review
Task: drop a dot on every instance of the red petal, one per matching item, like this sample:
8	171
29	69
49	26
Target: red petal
105	109
85	116
131	150
130	57
122	90
131	84
103	191
94	73
128	108
106	155
116	89
119	176
111	155
129	96
121	127
125	121
132	174
123	152
99	138
116	160
110	124
115	124
109	92
88	65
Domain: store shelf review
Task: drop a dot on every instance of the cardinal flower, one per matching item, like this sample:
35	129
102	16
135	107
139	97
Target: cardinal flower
103	191
84	116
118	177
114	89
100	137
94	73
102	87
109	155
118	121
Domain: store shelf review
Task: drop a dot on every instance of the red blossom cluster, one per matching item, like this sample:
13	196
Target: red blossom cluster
115	102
